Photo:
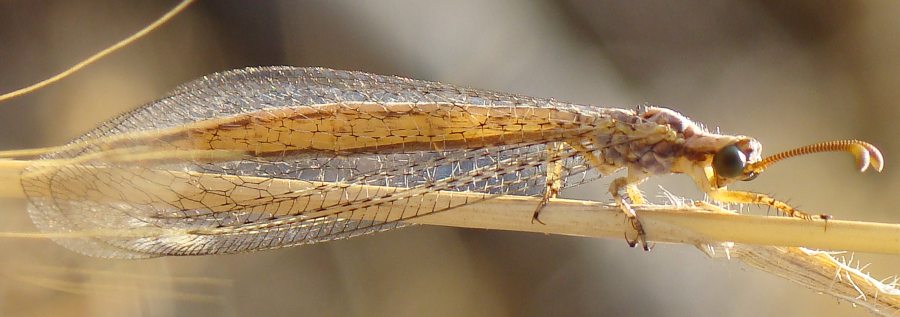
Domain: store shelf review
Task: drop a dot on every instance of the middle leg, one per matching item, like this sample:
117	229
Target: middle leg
627	184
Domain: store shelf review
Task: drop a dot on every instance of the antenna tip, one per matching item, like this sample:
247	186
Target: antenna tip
867	155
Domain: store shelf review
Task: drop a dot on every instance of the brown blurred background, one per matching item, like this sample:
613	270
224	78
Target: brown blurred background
786	73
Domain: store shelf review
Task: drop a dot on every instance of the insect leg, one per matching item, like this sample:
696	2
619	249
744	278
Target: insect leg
554	178
742	197
634	194
628	184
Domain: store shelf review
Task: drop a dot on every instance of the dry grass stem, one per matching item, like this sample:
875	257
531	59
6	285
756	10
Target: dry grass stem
767	243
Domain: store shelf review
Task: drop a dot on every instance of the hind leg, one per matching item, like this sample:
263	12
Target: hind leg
554	179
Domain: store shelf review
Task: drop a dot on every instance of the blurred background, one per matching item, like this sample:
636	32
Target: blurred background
787	73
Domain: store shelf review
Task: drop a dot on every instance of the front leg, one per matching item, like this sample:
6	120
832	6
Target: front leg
741	197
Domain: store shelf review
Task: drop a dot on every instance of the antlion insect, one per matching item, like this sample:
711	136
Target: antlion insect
270	157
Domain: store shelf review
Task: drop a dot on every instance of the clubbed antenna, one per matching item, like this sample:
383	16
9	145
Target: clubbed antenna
864	153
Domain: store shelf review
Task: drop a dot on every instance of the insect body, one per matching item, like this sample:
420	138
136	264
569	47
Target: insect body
214	166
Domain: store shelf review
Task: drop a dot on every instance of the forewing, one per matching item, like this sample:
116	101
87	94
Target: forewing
143	209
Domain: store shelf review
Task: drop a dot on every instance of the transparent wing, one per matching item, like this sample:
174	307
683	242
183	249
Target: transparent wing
191	206
122	198
257	89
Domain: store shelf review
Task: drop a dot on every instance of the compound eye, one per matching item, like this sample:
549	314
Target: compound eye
729	162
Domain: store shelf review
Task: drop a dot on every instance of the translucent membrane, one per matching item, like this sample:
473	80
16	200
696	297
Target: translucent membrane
264	158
